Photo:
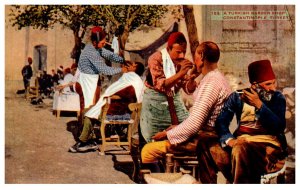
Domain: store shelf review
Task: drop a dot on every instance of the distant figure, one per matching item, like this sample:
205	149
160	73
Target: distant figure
60	72
68	77
45	83
54	77
27	74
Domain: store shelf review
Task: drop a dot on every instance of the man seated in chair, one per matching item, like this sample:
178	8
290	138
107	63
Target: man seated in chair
129	87
209	97
258	144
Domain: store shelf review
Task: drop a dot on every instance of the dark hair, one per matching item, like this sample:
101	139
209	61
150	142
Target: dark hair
98	36
211	51
140	68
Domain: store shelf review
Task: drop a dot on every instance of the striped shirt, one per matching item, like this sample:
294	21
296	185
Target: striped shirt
92	61
209	97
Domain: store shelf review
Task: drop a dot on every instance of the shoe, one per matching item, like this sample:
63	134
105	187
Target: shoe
83	147
87	147
75	147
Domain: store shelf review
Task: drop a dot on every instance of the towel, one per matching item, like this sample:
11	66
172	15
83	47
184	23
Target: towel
127	79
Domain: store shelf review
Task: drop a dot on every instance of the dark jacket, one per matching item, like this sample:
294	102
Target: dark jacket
27	72
271	115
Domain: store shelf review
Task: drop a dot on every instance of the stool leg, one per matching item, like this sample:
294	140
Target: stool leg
169	163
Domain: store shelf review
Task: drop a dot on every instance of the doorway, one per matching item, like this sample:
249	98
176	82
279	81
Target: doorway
40	58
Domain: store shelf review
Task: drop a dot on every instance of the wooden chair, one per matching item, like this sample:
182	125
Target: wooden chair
33	91
275	177
135	108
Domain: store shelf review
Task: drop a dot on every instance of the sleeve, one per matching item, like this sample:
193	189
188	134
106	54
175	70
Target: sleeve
273	119
156	70
207	96
101	67
225	117
110	56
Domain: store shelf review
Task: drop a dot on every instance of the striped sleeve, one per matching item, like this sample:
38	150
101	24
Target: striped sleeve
207	96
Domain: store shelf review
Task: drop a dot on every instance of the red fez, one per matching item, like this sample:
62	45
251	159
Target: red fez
260	71
175	38
73	66
67	70
96	29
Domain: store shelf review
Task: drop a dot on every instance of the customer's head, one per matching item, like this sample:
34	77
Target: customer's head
98	37
208	52
177	46
135	66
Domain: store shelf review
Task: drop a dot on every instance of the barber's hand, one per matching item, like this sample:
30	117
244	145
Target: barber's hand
160	136
252	98
59	87
185	65
124	68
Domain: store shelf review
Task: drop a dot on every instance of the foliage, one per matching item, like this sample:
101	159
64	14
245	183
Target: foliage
78	17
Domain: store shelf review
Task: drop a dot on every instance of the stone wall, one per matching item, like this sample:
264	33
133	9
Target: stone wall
244	41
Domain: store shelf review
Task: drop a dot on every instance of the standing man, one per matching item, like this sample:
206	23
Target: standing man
258	145
92	63
27	74
209	98
167	75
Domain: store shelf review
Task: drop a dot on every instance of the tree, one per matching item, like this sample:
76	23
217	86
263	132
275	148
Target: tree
191	27
78	17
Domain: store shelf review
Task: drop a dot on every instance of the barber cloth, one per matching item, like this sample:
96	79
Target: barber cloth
68	101
126	80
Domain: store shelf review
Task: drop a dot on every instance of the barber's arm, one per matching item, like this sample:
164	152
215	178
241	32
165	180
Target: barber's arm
108	55
185	65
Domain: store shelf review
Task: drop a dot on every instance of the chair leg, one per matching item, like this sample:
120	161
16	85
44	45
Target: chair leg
281	178
57	114
103	137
